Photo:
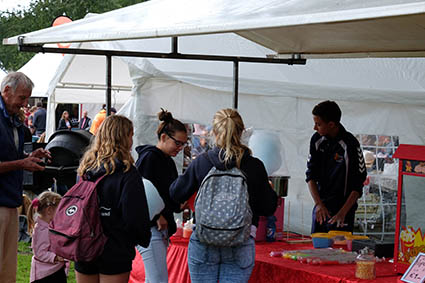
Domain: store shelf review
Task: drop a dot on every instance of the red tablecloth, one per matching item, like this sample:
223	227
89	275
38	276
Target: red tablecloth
268	269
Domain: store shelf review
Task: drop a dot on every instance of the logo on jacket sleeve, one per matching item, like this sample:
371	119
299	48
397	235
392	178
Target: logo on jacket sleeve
362	164
71	210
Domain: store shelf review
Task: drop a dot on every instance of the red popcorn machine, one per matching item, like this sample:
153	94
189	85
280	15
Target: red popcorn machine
410	225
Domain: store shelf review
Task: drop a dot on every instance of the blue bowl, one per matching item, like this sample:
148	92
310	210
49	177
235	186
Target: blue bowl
322	242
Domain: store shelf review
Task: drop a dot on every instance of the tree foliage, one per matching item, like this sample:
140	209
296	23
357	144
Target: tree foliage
39	15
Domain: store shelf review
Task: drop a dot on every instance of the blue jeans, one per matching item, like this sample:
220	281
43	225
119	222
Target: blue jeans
223	264
155	257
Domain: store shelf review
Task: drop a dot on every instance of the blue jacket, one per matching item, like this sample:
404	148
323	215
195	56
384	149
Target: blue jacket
40	121
10	182
262	198
337	166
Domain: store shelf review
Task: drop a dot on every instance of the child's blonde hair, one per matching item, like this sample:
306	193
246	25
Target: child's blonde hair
44	200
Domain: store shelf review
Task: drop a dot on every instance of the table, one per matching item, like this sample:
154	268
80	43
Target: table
268	269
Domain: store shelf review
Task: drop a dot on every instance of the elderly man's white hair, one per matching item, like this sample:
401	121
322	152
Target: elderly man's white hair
14	79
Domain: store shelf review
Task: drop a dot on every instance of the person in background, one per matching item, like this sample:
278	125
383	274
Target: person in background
46	266
203	145
226	264
64	122
39	121
155	163
98	119
31	119
27	114
113	111
15	89
336	171
85	122
122	201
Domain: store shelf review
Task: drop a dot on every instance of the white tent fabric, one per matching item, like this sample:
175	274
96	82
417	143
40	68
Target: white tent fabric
326	28
76	79
41	69
377	96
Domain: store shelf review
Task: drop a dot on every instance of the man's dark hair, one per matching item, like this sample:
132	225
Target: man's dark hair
39	104
328	111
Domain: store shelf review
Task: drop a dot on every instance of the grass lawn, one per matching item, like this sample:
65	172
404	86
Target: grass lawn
24	265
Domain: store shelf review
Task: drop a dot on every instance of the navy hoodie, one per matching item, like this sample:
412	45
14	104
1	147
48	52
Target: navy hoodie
124	212
262	198
160	169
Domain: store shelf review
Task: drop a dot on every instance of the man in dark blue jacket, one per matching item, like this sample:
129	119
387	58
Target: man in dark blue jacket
40	119
16	88
335	171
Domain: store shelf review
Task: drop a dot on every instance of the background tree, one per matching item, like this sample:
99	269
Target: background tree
39	15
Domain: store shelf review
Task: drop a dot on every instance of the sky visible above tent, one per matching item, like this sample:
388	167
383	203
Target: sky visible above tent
355	28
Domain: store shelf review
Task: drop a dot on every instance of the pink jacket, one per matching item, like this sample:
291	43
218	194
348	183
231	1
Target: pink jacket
43	262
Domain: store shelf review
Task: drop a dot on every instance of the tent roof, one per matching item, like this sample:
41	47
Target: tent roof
356	28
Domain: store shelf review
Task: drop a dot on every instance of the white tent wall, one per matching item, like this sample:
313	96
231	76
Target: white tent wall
288	114
377	97
82	79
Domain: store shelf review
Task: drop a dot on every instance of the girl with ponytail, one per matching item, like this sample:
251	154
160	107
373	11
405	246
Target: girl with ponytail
226	264
155	163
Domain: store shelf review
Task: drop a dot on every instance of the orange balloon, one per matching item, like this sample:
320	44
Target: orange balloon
60	21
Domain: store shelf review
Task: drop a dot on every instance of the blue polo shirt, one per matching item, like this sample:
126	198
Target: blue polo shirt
10	182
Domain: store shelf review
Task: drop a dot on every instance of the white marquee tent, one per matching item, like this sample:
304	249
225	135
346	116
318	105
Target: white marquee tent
377	96
76	79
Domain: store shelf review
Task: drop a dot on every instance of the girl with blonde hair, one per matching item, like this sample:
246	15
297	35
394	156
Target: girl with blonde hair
64	122
122	201
46	266
209	263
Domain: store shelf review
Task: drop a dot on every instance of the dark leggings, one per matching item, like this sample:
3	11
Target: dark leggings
57	277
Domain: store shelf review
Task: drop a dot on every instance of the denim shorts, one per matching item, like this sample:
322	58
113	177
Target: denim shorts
224	264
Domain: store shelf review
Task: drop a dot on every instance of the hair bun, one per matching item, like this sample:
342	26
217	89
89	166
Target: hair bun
165	116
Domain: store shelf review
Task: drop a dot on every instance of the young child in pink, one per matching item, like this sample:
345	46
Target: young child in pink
45	265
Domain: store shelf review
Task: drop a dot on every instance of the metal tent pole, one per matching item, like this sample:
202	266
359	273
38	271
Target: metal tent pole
108	84
235	84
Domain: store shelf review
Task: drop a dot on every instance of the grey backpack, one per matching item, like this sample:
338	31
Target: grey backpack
222	212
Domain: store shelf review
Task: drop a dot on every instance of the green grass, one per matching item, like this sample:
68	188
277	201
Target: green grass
24	265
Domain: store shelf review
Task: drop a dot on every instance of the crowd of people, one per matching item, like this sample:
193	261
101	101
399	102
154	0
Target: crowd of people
122	199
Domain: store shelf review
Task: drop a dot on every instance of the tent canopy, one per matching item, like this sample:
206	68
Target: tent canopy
354	28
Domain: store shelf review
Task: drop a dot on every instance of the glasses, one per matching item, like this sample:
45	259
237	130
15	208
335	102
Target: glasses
178	143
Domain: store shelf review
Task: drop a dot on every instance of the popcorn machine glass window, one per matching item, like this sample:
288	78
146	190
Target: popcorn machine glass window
410	226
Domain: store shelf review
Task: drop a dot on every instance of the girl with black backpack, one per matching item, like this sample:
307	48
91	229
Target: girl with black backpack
122	201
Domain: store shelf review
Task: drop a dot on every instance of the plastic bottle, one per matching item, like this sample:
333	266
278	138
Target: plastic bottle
271	229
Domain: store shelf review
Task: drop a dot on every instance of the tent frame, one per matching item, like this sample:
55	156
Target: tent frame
295	60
